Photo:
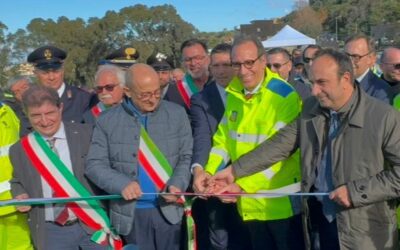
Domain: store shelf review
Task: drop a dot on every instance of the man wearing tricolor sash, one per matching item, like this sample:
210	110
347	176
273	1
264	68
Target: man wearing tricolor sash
140	148
109	83
49	162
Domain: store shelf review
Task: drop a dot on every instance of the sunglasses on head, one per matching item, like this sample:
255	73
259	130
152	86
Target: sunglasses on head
108	87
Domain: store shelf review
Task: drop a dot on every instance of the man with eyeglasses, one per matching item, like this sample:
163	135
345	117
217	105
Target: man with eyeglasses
224	225
361	50
133	146
109	83
390	66
49	70
259	103
195	60
278	61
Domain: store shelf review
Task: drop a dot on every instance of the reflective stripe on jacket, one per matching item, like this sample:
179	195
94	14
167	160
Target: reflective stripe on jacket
247	123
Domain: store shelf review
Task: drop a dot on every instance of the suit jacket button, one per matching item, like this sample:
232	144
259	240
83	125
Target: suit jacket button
304	183
362	187
134	155
364	196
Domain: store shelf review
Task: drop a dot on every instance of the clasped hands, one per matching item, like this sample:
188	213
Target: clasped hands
223	182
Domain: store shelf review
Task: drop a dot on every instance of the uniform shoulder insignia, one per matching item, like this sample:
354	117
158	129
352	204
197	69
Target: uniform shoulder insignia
279	87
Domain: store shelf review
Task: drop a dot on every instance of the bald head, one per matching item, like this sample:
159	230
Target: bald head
390	65
143	87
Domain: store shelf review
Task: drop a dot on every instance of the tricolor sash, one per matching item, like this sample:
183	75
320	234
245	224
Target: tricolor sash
97	109
187	88
159	170
65	184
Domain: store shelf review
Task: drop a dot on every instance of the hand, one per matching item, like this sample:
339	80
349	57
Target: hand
132	191
170	197
231	188
25	208
200	180
225	176
341	196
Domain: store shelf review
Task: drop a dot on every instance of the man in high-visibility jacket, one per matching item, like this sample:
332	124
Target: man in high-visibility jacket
14	231
259	103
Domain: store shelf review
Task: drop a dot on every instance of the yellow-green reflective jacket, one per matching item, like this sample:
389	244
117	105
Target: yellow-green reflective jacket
247	123
9	134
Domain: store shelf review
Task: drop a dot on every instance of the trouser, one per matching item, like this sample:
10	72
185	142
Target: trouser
199	212
14	232
226	227
151	231
69	237
327	231
285	234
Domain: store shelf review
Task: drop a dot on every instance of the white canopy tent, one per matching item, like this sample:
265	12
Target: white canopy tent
288	36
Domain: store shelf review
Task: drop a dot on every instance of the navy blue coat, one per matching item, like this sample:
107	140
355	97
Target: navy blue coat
376	87
76	101
206	111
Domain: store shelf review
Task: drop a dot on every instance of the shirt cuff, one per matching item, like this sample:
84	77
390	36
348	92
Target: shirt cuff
195	165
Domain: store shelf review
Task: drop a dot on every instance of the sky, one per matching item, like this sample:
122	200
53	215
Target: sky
205	15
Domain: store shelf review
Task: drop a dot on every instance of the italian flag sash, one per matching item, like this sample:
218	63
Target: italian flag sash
187	88
159	170
97	109
65	184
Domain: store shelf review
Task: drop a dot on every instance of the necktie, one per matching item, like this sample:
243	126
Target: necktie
248	96
61	213
329	207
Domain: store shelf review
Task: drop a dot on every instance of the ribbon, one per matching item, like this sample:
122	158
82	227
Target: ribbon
41	201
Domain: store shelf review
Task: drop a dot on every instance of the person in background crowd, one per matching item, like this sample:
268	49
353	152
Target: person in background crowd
14	231
226	230
163	65
278	61
109	83
177	74
259	103
17	86
360	212
195	60
296	53
49	70
308	56
390	66
62	146
361	50
123	57
143	145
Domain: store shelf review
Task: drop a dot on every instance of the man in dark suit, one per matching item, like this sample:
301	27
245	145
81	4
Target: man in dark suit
361	50
207	108
49	70
69	143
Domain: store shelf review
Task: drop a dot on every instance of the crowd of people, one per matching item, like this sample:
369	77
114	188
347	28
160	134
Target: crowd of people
280	150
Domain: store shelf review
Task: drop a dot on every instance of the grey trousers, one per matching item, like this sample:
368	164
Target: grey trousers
152	232
71	237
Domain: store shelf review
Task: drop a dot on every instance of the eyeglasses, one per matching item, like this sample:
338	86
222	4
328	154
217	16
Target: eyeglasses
276	65
307	59
394	65
248	64
147	95
355	57
108	87
221	65
194	58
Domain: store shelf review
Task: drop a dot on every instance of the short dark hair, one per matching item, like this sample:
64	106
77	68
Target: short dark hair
192	42
342	60
369	40
246	38
222	48
279	50
311	46
37	95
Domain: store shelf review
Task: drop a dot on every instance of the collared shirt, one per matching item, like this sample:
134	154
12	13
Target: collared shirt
61	90
62	148
222	93
254	91
361	77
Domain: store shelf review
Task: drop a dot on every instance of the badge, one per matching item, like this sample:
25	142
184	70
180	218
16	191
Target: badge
47	54
69	94
233	116
130	52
